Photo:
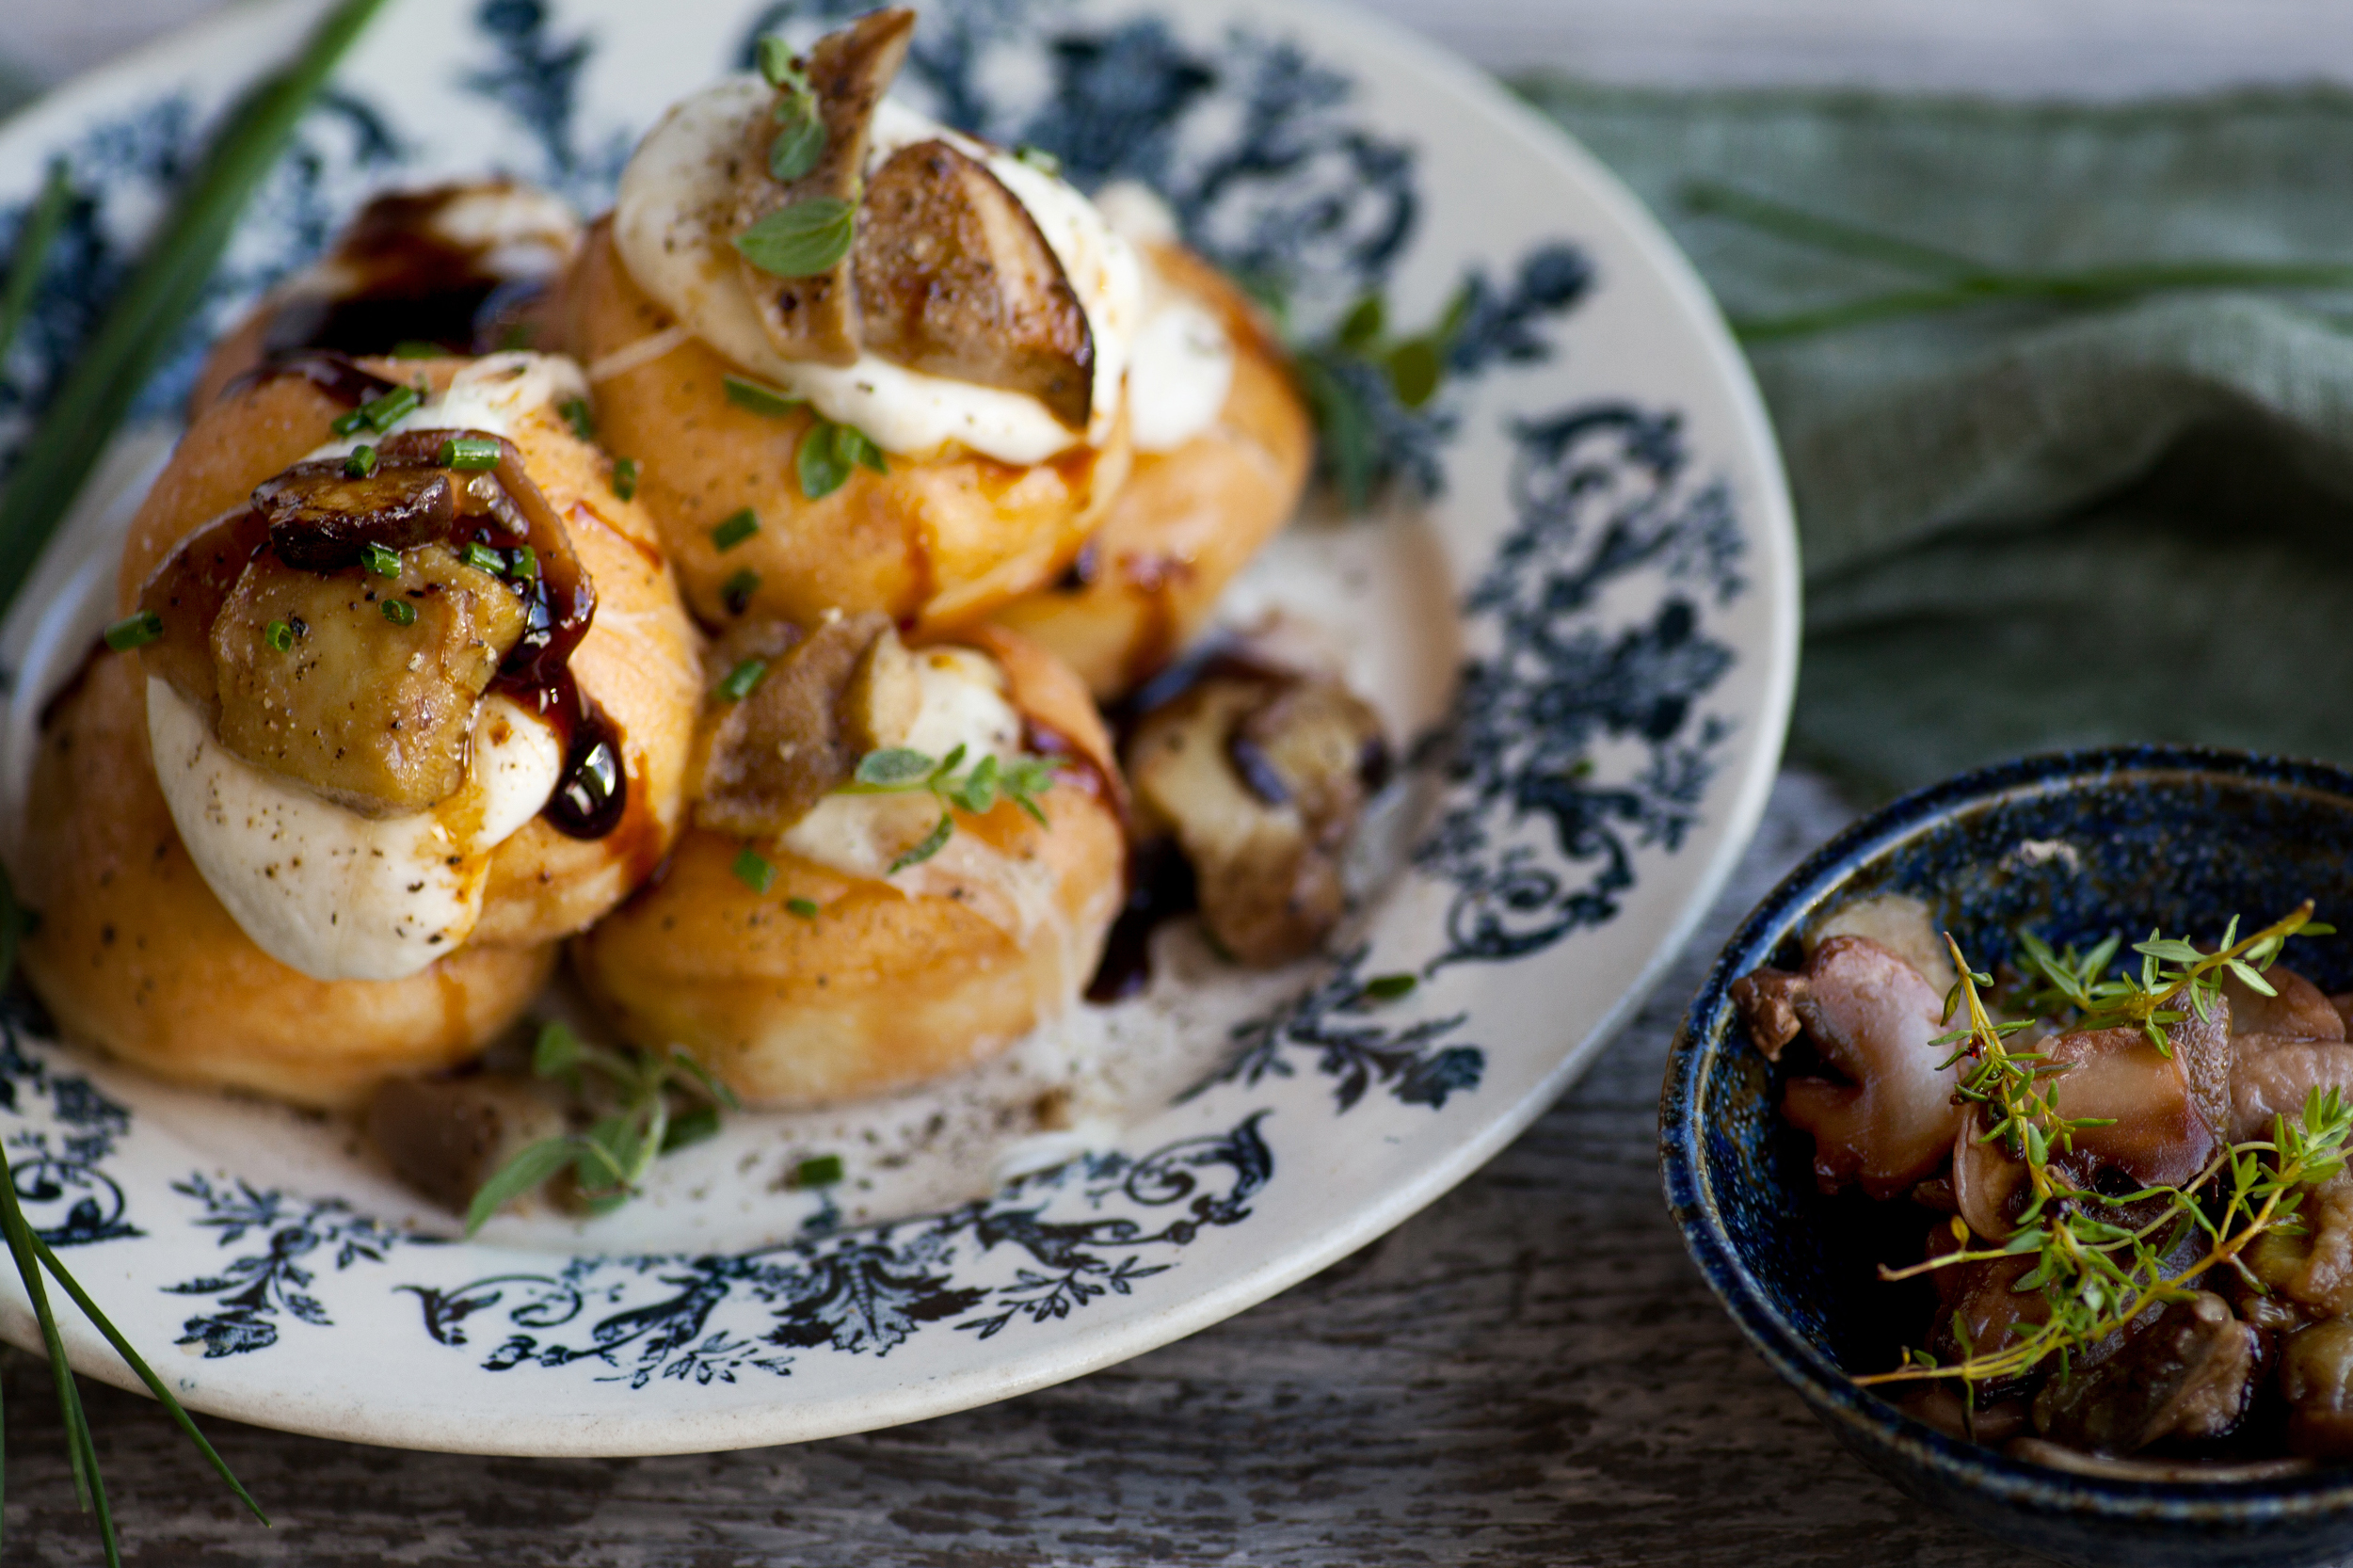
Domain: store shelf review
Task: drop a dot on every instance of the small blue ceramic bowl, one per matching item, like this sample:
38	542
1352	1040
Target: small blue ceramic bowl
2075	846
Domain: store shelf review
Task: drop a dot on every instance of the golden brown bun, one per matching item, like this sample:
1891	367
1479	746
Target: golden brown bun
1187	520
937	543
639	662
134	955
882	989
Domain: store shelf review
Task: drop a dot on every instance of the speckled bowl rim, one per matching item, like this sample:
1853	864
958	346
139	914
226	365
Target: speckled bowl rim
1852	1412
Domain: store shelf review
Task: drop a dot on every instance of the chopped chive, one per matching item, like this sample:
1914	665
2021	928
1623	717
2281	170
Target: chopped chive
583	422
752	869
360	463
379	561
823	1171
381	414
35	238
737	591
624	478
742	680
472	454
736	529
483	558
400	612
279	635
760	399
526	563
417	348
350	423
135	631
1388	987
1037	158
805	908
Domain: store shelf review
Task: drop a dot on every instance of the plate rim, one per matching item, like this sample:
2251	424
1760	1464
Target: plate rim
1074	1351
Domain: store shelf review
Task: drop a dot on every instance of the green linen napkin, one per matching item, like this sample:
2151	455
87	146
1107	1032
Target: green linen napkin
2026	527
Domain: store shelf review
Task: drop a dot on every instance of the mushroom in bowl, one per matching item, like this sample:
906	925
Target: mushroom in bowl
1828	1114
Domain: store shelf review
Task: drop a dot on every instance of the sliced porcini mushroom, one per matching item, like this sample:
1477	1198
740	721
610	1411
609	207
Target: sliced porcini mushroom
2316	1376
2296	1011
2160	1134
816	317
954	279
2311	1265
445	1136
767	760
2212	1472
2272	1078
321	517
1874	1018
1990	1186
1980	1310
1897	921
1261	778
2189	1374
371	714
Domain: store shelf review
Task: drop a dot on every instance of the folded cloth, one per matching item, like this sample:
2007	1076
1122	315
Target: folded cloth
2027	526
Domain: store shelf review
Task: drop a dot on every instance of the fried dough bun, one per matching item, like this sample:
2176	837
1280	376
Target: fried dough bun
938	542
1187	520
134	954
639	660
894	979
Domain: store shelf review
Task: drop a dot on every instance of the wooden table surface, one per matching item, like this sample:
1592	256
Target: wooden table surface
1530	1371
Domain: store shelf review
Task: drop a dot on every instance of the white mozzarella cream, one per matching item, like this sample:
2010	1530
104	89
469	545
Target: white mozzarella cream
963	703
671	225
318	886
491	394
326	890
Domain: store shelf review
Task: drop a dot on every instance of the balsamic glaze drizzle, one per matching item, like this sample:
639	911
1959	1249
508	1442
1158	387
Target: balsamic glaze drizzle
508	509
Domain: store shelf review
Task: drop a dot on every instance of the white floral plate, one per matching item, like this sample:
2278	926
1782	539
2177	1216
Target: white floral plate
1589	621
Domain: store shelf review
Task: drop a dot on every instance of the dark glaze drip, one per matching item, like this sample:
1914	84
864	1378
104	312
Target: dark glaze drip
407	284
333	373
1159	890
499	507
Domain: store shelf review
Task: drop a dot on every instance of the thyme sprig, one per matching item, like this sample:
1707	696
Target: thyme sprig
1343	373
1958	282
609	1162
2172	972
2100	1259
899	771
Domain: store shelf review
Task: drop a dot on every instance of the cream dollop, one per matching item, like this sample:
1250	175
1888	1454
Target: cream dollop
326	890
491	394
670	225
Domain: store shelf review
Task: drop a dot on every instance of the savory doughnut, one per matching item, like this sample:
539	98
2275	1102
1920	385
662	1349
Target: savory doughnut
928	408
134	955
1190	516
514	679
796	943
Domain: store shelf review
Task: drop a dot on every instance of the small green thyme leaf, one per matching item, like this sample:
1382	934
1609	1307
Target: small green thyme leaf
808	238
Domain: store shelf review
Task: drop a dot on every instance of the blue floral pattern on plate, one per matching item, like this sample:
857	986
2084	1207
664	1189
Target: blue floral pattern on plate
1619	700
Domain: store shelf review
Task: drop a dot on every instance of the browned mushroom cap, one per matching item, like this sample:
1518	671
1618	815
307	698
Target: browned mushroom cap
764	760
816	317
1261	777
2271	1076
2317	1375
1874	1018
953	279
2190	1375
2297	1011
